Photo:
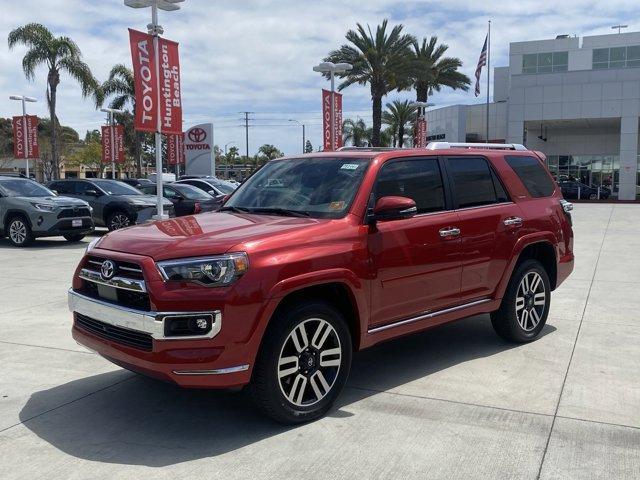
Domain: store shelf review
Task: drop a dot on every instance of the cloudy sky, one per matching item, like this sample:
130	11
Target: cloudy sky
257	55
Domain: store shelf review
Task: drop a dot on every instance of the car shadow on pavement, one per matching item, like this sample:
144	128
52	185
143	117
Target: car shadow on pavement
140	421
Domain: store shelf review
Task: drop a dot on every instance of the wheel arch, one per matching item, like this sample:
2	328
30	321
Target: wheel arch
11	213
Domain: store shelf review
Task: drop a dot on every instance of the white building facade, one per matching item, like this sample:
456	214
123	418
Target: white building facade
575	99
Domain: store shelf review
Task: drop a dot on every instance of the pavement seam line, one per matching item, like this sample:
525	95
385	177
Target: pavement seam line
575	343
68	403
45	346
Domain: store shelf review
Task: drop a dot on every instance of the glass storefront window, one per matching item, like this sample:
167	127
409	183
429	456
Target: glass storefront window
593	170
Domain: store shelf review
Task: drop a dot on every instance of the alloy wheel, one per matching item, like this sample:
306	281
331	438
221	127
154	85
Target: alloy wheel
18	231
119	220
530	301
309	362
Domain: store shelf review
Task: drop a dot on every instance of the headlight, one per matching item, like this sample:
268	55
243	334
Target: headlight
216	271
44	207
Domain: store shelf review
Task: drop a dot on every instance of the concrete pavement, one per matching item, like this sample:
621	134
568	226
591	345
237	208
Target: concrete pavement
453	402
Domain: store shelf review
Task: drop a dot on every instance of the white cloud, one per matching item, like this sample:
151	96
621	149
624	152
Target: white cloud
257	55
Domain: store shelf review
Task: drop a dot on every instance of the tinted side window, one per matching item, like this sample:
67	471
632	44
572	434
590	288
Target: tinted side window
82	187
532	174
472	181
418	179
62	187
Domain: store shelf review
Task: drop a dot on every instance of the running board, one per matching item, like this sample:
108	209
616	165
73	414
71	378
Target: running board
425	316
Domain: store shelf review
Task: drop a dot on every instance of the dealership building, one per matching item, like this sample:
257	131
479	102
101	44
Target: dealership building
575	99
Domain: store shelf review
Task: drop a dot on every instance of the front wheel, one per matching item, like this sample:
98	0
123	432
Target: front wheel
303	364
525	306
118	220
20	234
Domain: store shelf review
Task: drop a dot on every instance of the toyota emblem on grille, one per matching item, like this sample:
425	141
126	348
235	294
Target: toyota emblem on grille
107	270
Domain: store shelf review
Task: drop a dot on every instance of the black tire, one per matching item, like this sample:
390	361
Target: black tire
19	231
593	196
117	220
74	237
515	321
268	384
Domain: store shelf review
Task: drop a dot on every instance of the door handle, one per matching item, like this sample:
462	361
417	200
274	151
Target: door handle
513	221
449	232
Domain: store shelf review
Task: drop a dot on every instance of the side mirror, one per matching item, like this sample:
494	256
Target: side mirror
92	192
55	191
394	208
212	193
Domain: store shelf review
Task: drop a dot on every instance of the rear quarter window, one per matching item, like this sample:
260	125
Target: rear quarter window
532	174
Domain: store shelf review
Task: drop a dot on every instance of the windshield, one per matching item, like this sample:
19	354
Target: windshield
223	187
113	187
23	188
317	187
191	193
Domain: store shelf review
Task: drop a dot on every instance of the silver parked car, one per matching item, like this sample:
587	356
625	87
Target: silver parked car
29	210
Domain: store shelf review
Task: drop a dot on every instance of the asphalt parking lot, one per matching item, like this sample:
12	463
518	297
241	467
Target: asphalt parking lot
453	402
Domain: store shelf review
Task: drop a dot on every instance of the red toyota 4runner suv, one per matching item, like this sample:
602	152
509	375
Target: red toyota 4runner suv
318	256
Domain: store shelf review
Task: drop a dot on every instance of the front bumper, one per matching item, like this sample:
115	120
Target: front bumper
186	361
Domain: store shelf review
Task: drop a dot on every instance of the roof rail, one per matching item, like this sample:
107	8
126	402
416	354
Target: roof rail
367	149
492	146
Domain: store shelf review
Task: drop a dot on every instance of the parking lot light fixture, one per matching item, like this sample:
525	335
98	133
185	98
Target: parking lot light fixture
112	136
304	139
332	68
24	99
155	30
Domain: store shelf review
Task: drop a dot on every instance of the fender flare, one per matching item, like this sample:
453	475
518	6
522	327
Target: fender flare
521	244
11	212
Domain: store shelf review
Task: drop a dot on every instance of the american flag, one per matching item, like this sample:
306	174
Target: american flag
482	61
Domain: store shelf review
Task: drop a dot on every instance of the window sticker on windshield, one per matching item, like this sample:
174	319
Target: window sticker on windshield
349	166
336	205
275	182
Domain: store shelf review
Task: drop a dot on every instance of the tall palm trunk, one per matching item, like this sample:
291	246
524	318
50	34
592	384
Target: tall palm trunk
400	136
422	94
377	119
54	79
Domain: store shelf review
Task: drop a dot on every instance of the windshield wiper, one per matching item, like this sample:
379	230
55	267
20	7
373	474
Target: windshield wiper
282	211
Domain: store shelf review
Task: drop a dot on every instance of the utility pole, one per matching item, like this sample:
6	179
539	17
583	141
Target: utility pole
246	134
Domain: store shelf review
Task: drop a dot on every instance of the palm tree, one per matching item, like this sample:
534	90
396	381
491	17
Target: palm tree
121	87
380	60
431	71
355	132
58	54
398	115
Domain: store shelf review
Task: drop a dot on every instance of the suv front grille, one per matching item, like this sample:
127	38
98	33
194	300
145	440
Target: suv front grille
123	336
74	212
95	287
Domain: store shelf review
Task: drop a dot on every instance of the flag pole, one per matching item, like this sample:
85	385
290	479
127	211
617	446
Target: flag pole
488	75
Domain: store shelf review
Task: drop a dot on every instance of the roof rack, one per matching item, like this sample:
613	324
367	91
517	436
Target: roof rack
486	146
367	149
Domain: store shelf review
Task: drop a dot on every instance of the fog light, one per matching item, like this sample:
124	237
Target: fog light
40	220
188	325
201	323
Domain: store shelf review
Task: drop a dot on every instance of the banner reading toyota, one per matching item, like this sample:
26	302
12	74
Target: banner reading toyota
420	133
117	137
147	95
326	120
175	149
25	144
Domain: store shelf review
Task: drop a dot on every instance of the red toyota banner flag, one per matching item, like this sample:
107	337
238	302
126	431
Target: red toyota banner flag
326	120
175	149
25	144
338	120
118	141
106	144
420	133
146	84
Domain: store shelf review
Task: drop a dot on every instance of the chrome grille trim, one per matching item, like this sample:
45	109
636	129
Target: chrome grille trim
116	282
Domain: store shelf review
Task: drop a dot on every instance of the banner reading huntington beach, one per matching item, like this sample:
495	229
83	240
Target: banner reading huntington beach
144	73
326	120
25	144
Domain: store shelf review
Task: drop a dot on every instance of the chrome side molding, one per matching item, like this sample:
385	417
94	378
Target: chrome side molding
217	371
427	315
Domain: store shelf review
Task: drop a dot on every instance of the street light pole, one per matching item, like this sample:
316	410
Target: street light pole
332	68
24	99
422	112
155	31
304	139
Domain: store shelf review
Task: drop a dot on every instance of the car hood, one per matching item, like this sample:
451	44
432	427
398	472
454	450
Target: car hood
145	199
204	234
57	201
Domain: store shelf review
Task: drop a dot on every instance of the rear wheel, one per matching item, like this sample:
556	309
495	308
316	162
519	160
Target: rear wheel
19	231
303	364
525	306
117	220
74	237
